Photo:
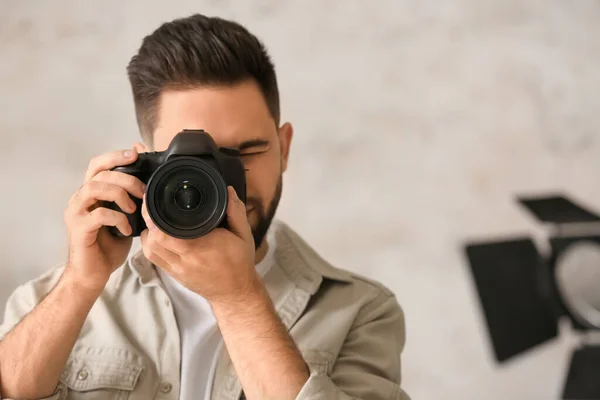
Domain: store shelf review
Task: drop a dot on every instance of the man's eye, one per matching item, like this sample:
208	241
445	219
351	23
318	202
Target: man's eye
252	154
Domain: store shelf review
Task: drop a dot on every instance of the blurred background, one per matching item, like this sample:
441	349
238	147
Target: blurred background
416	123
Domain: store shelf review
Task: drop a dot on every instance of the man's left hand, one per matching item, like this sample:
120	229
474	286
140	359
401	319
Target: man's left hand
219	266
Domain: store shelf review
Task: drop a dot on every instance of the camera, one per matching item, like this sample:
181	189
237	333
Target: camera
526	293
186	186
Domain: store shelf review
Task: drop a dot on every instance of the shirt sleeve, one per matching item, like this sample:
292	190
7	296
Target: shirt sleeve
368	365
20	303
23	299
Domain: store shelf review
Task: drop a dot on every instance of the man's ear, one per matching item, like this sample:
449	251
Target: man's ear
286	132
141	148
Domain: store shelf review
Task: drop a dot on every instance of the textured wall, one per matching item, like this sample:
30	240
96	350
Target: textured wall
416	122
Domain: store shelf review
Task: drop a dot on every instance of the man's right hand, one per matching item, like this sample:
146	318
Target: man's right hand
94	254
34	353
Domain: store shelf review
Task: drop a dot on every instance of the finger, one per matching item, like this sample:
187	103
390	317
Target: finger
237	219
128	182
153	248
141	147
149	254
102	216
145	214
108	161
93	192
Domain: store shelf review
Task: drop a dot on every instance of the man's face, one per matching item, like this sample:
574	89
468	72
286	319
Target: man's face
235	116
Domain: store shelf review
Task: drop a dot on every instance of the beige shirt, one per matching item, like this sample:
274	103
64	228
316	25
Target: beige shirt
350	331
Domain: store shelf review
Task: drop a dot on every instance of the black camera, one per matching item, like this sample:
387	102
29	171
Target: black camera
186	192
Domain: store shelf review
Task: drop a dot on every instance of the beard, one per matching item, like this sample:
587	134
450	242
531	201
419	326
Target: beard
265	215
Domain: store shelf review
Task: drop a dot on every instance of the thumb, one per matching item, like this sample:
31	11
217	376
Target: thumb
140	147
236	215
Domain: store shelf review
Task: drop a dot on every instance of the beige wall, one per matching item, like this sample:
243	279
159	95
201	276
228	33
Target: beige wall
416	122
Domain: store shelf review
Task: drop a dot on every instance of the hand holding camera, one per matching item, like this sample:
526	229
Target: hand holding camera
93	252
219	266
172	199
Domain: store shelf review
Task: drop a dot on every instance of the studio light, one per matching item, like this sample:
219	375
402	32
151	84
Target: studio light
524	292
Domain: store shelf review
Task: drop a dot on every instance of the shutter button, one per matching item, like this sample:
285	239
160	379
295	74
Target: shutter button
83	375
166	387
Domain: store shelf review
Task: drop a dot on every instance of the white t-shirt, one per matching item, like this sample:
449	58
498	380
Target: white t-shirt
199	333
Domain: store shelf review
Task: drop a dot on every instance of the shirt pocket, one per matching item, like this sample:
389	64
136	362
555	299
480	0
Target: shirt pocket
99	373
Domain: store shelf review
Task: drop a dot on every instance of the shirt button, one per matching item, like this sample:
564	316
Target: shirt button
82	375
167	302
166	387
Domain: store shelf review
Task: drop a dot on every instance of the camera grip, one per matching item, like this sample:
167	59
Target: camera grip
136	221
135	168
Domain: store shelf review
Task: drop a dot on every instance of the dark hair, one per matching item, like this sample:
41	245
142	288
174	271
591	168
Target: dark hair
194	52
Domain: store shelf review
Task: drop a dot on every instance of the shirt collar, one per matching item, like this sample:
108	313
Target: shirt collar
302	264
141	268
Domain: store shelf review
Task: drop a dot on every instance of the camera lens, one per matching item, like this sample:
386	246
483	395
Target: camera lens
188	197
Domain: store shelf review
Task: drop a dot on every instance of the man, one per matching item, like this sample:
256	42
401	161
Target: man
248	311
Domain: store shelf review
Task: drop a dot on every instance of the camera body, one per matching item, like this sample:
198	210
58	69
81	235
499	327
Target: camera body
186	192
